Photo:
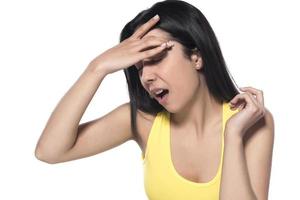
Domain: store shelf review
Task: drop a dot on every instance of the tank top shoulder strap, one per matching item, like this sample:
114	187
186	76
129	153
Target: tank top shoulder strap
227	112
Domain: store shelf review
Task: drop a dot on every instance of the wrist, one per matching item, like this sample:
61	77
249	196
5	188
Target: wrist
92	68
233	135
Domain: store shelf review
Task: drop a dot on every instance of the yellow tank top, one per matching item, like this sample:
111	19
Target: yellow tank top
161	180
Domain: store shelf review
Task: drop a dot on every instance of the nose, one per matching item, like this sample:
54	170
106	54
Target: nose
147	74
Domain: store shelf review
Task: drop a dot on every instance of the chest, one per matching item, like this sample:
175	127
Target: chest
194	158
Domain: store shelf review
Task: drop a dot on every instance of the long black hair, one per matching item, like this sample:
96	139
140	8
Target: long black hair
188	26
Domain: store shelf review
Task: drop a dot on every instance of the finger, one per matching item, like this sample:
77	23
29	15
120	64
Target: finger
255	101
152	52
259	108
256	92
237	101
139	33
149	44
246	99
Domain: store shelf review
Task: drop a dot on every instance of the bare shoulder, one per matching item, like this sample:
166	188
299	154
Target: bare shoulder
144	124
263	126
145	116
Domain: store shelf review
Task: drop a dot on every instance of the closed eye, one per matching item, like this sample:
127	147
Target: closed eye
153	60
156	59
159	56
150	62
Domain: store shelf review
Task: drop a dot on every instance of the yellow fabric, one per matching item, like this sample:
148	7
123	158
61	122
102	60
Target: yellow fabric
161	180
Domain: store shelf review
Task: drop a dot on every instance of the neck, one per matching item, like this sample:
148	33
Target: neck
200	114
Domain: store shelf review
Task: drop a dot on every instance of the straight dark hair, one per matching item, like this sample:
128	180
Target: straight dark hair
188	26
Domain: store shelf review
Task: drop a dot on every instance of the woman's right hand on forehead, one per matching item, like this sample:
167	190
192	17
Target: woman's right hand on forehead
130	51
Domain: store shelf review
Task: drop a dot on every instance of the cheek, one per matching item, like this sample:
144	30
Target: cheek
183	73
185	82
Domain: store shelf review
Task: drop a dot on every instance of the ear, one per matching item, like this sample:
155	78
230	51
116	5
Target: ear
196	59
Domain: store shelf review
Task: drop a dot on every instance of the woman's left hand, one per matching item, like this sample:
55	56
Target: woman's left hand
251	109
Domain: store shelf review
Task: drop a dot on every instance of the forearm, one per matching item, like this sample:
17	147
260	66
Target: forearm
235	181
60	132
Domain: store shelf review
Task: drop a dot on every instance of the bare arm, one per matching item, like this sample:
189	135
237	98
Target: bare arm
247	169
60	132
62	139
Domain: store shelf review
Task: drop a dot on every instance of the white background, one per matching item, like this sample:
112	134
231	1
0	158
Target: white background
46	45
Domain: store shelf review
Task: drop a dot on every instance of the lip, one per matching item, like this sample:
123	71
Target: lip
152	91
164	99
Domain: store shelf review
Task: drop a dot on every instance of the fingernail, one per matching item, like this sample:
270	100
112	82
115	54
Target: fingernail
170	43
241	107
156	17
163	44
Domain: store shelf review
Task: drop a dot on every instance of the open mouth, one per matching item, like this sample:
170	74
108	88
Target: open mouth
162	94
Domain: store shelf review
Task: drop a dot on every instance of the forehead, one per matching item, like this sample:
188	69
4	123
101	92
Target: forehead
158	33
165	36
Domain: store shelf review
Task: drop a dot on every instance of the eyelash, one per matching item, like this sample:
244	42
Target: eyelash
152	62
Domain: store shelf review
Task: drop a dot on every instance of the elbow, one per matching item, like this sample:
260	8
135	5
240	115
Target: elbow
42	157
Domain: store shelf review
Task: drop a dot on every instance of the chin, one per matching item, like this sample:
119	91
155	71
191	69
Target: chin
171	109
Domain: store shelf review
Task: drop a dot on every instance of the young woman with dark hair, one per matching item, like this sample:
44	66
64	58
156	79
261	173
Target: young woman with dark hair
201	137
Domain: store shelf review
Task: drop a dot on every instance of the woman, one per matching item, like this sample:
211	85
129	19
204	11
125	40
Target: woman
200	137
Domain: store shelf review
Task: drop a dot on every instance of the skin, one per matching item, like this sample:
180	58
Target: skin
63	138
194	110
248	160
130	51
191	105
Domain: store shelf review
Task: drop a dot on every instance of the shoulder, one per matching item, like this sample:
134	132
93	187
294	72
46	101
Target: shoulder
145	116
141	116
264	126
144	122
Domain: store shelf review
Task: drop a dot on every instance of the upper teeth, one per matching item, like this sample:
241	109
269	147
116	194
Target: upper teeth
159	91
